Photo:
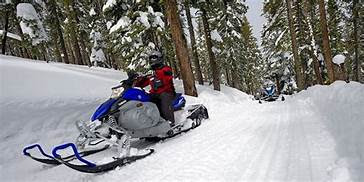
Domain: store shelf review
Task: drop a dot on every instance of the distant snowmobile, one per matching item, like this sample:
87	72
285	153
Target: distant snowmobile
268	94
128	114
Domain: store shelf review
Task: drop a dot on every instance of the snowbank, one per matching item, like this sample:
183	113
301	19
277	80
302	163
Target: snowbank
28	80
341	110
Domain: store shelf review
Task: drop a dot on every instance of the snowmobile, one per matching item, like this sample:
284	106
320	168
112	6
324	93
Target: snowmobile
269	94
127	116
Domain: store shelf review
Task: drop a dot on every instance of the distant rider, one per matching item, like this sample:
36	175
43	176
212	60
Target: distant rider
162	90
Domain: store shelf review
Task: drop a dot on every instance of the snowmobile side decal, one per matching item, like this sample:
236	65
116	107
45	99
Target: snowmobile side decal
77	155
103	109
136	94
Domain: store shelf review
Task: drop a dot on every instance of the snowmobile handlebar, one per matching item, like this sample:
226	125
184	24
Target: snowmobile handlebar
25	150
75	151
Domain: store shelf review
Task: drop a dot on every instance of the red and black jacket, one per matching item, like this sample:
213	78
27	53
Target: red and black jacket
161	81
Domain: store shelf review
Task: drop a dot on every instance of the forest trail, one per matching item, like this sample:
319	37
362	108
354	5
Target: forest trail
304	138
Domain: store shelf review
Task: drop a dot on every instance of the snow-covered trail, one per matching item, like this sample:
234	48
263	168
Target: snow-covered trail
258	144
315	135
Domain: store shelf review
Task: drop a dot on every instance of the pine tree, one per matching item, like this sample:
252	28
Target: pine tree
7	8
326	42
73	31
180	47
276	43
312	41
207	32
135	29
32	28
297	62
57	29
193	43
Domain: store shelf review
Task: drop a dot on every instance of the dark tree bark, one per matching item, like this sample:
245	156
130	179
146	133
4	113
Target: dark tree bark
84	51
168	46
181	47
300	35
213	64
316	64
227	76
58	53
326	42
73	32
356	40
5	34
193	44
234	76
297	63
52	6
70	50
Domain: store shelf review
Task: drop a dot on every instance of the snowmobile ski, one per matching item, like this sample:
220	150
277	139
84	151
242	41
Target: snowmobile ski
90	167
51	160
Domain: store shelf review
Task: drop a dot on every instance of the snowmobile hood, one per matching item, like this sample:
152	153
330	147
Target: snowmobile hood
270	90
136	94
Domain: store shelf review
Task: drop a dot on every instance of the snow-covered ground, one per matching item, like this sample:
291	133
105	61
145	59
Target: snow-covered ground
315	135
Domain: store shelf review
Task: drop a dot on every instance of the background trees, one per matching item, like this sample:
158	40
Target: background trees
296	44
323	30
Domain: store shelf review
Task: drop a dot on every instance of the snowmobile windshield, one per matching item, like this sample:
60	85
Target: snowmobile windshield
116	92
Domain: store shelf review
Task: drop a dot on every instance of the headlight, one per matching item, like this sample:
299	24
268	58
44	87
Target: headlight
116	92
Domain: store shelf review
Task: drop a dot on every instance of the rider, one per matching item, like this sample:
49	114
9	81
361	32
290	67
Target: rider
162	90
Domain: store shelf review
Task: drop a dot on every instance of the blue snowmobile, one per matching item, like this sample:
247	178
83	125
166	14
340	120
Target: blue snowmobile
127	115
269	94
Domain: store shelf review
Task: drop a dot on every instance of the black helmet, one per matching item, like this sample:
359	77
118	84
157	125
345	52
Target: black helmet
155	59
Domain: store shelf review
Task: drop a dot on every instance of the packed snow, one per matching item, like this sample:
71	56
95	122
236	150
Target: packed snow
10	35
315	135
30	23
339	59
216	36
123	22
109	4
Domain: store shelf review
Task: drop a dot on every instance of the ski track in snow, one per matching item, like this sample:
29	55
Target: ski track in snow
242	140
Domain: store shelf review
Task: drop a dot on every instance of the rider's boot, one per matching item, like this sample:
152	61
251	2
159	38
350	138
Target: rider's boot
124	146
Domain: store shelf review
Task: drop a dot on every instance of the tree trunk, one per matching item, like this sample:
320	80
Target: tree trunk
326	42
356	42
5	34
313	52
181	47
214	67
234	76
300	36
297	63
73	32
52	6
228	80
167	47
193	44
84	51
316	66
70	50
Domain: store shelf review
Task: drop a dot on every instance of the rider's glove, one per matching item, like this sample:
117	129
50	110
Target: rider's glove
157	83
